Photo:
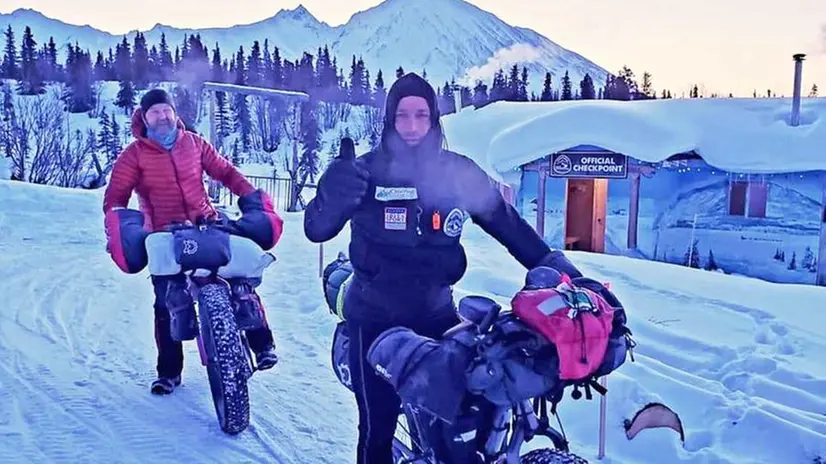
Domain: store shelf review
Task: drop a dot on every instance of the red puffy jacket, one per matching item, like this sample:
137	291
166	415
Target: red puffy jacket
169	185
170	189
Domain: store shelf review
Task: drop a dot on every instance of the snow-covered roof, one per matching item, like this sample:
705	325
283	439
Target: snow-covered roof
736	135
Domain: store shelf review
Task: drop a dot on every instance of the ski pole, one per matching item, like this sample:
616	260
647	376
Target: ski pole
602	407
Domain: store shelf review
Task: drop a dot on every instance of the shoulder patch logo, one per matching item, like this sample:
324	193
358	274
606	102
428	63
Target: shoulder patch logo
454	222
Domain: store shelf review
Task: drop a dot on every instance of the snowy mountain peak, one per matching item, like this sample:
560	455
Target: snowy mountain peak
25	13
299	13
447	39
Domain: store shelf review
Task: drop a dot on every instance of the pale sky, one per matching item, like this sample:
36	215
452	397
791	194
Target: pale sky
723	45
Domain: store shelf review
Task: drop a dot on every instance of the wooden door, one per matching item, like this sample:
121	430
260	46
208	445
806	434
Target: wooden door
579	213
586	205
599	211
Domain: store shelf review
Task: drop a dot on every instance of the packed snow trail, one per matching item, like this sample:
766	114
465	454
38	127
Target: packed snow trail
77	354
739	359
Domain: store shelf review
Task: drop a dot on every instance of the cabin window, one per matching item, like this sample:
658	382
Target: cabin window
748	198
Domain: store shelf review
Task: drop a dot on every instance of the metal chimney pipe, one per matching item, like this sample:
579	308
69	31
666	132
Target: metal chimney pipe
457	97
798	82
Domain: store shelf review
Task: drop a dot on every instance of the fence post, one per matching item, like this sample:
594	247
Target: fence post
320	260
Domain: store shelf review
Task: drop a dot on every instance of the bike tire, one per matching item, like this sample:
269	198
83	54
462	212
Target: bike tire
227	365
551	456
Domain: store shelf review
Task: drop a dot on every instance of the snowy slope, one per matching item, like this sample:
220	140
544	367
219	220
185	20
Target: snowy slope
736	135
739	359
447	38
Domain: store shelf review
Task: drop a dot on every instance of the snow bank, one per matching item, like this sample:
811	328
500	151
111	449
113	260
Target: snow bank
5	168
736	135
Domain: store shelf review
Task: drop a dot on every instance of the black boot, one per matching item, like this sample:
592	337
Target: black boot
165	385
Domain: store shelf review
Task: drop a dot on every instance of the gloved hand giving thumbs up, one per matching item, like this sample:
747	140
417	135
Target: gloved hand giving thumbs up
345	181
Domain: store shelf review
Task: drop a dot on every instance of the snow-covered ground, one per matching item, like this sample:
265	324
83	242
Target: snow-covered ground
739	359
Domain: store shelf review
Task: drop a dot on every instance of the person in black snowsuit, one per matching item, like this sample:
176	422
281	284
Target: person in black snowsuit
407	203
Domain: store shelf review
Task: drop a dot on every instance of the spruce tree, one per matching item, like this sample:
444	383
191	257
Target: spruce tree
567	93
52	68
277	78
123	61
586	88
222	118
104	136
111	74
116	146
99	72
306	77
647	86
480	94
126	97
692	256
499	87
310	141
547	94
379	92
266	65
607	93
31	79
140	62
808	259
523	85
711	264
357	79
243	118
11	67
79	96
166	66
255	66
514	83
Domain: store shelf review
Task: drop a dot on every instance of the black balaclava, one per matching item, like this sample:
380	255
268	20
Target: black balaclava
410	85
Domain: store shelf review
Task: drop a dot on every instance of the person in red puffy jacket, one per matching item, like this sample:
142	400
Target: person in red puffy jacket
165	167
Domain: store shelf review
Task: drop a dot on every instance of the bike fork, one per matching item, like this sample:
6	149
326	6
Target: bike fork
253	367
202	351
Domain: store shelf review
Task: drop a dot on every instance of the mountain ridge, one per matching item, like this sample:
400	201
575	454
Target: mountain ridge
453	39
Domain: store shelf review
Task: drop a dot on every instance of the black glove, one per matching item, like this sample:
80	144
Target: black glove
556	259
345	181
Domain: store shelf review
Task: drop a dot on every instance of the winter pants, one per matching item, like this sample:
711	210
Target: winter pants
378	404
170	352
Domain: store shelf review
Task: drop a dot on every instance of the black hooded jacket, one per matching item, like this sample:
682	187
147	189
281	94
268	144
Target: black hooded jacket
405	243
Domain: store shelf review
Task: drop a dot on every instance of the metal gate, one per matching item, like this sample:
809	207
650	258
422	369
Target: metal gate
278	188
